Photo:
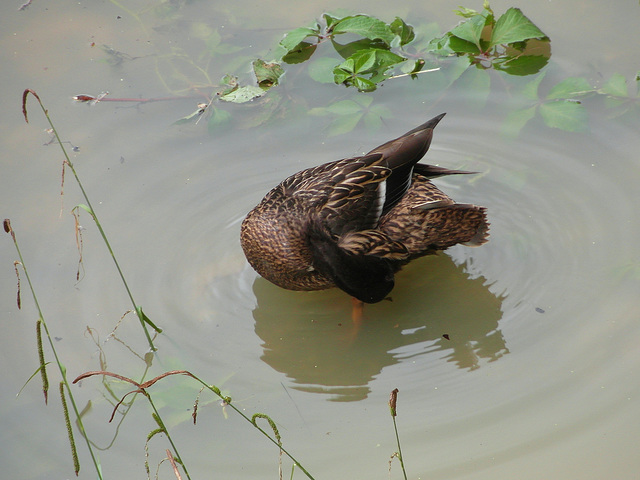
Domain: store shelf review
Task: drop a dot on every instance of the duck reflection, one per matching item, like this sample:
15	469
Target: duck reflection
435	307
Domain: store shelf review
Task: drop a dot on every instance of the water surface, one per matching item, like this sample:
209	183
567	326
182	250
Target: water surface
537	378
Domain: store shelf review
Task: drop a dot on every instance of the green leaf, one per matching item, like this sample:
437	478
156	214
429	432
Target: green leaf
402	30
374	116
374	62
474	85
616	86
570	87
330	20
230	83
340	75
466	12
348	49
363	100
513	26
460	46
243	94
521	65
471	30
414	67
530	90
344	107
363	25
294	37
87	209
364	61
565	114
301	53
364	84
267	74
344	124
455	69
516	120
440	46
145	319
370	60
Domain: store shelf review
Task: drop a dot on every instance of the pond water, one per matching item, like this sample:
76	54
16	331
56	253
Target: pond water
538	377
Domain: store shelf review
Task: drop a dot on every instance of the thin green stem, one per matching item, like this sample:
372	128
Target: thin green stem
166	432
137	309
61	367
239	412
395	427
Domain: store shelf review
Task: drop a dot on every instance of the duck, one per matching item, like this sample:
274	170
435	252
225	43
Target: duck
354	223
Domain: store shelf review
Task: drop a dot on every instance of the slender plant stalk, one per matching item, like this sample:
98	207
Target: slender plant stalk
166	432
61	367
253	422
393	398
141	316
276	441
143	321
142	388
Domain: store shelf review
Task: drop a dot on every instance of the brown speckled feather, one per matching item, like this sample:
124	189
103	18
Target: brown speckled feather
354	222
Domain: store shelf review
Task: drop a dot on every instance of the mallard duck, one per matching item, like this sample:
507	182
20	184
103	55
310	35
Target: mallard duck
354	223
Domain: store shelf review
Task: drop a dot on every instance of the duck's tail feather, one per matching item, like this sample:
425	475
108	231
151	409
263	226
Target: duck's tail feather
438	228
431	171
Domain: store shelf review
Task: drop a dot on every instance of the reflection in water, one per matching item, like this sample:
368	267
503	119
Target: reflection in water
309	336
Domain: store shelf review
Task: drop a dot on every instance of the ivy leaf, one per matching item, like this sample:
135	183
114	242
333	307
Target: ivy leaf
344	107
566	115
365	26
469	12
474	84
373	61
342	73
348	49
460	46
374	116
219	118
521	65
294	37
512	27
267	74
402	30
243	94
570	87
364	84
516	120
330	20
471	30
616	86
466	12
301	53
530	90
440	46
229	83
344	124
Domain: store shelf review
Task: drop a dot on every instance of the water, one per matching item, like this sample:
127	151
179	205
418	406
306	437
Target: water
537	376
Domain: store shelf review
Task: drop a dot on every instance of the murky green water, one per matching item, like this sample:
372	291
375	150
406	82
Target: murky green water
538	378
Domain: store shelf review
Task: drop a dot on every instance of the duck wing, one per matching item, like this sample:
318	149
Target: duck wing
401	155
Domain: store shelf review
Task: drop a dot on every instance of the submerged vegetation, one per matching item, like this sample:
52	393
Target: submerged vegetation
486	53
354	55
